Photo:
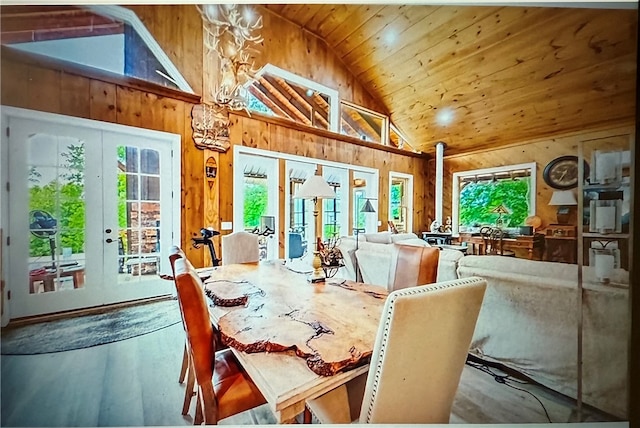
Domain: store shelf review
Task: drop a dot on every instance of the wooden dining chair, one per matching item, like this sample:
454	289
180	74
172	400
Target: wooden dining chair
240	247
492	238
420	350
223	387
186	369
412	265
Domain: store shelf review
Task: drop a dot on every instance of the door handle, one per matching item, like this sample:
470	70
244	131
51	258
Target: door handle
109	240
108	230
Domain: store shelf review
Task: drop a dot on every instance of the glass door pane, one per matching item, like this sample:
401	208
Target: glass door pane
57	223
138	214
138	172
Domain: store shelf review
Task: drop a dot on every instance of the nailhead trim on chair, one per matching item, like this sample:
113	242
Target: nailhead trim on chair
392	298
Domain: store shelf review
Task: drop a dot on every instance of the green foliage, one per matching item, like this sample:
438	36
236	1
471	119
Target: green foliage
478	199
255	202
331	230
122	200
67	206
396	201
64	200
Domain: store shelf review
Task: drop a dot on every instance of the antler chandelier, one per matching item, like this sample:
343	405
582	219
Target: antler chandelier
231	31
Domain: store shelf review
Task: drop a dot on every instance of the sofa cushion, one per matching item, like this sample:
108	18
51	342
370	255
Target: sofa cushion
448	264
416	242
397	237
379	237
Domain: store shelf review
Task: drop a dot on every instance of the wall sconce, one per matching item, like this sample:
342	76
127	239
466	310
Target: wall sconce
210	171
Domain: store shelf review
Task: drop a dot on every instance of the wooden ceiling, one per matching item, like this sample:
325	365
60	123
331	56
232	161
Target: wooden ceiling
481	77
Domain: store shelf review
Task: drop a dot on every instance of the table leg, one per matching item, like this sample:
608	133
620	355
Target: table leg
49	283
288	415
78	278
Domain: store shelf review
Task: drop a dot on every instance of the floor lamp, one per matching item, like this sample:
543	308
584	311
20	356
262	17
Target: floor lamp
314	188
366	208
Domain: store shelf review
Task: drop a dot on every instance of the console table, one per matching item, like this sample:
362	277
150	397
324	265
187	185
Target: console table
534	244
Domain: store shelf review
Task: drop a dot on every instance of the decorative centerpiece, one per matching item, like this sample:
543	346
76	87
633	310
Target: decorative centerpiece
330	256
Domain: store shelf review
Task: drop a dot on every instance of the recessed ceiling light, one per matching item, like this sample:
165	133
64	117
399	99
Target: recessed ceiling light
444	116
390	36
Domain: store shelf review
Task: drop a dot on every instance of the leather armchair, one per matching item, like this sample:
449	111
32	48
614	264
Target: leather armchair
411	266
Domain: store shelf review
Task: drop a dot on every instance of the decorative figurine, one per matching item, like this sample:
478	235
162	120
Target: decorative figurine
447	225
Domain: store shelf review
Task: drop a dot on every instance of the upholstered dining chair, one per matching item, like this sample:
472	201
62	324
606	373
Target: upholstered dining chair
418	357
240	247
223	388
412	265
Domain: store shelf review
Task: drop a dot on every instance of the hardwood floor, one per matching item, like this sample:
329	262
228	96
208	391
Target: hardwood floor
134	382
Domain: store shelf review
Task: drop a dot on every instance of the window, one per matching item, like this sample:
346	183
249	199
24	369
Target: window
277	92
359	196
110	38
298	209
396	139
331	214
255	200
478	194
280	93
363	124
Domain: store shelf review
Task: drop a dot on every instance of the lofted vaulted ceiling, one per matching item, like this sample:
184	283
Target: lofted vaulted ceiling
477	77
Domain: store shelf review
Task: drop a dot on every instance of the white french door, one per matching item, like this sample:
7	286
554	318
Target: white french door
87	205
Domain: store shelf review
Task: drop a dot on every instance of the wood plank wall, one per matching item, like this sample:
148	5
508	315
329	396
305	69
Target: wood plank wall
178	30
33	87
288	46
539	151
258	134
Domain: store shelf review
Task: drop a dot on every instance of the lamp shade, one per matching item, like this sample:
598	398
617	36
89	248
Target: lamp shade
563	197
367	207
315	187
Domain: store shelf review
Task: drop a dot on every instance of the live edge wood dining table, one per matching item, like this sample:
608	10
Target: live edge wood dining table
296	340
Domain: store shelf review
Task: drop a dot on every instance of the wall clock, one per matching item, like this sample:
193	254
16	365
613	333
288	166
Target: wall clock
562	172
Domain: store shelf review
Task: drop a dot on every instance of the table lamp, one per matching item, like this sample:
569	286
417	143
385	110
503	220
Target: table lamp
564	199
314	188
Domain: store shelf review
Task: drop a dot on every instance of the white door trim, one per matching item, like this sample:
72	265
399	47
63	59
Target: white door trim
108	295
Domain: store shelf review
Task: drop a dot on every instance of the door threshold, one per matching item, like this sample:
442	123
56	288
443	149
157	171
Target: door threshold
83	311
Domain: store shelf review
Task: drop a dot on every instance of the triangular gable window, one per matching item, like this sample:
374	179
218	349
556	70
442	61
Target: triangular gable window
110	38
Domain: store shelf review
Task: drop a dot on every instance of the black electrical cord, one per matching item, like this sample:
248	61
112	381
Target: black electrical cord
505	379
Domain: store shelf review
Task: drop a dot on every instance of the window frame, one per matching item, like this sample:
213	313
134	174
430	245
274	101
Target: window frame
128	16
408	197
458	176
334	99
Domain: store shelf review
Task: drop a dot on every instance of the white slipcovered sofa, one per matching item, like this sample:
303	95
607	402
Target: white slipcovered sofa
529	317
373	256
529	322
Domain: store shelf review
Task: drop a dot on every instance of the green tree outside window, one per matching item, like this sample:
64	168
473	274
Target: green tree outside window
477	200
